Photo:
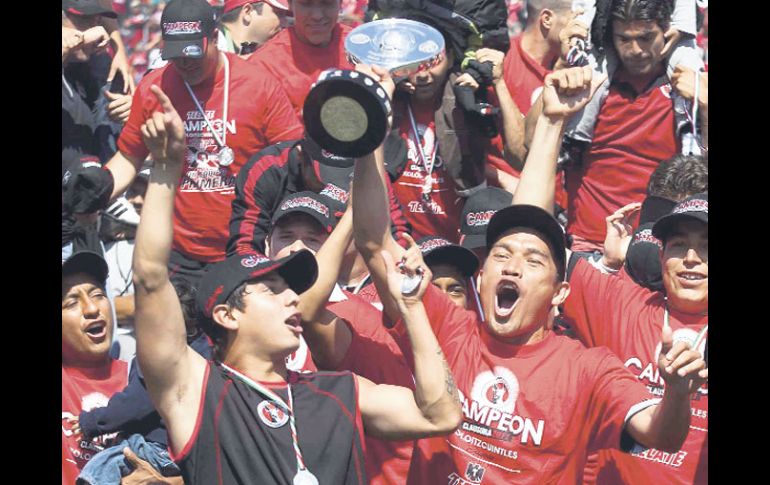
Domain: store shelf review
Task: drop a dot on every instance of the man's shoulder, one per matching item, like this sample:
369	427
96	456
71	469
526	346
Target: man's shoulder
279	43
275	156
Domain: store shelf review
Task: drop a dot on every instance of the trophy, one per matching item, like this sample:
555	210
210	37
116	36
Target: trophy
347	112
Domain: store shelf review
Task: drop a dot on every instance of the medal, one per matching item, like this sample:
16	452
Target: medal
226	156
304	477
409	283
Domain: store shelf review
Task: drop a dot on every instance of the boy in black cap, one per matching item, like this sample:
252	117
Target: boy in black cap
510	368
245	417
230	111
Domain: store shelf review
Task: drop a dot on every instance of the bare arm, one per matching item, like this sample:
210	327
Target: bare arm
666	425
123	168
328	337
394	412
564	93
371	217
172	370
513	121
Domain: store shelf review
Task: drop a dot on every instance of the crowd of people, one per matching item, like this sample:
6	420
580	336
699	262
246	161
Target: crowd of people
511	288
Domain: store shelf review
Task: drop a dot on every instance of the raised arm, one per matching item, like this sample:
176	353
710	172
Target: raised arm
328	337
173	372
397	413
371	218
666	425
565	92
513	120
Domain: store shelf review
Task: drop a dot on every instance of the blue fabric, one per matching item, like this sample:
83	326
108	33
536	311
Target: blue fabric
109	465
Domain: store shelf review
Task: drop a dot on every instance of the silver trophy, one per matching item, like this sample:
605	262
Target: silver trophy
347	112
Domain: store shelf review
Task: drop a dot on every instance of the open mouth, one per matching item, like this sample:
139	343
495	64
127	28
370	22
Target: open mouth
506	298
97	330
690	277
295	323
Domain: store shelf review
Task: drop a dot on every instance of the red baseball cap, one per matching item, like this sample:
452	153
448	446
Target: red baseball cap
233	4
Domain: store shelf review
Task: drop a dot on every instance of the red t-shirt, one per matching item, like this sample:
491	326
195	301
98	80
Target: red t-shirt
524	78
609	311
530	413
440	216
83	389
296	65
633	134
375	355
259	114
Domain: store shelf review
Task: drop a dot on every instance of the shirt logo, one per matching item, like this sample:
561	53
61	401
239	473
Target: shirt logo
474	472
497	389
182	28
271	415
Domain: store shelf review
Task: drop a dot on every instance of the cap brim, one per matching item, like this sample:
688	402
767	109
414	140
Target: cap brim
279	4
531	217
474	241
665	224
89	262
458	256
173	49
95	9
299	270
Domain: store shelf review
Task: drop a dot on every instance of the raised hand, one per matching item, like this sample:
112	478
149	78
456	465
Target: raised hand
411	265
566	91
682	368
163	133
619	233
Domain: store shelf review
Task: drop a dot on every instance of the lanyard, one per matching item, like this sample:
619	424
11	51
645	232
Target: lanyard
303	474
221	141
418	144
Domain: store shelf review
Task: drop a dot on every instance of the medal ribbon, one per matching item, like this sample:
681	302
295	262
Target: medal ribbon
418	144
220	141
287	408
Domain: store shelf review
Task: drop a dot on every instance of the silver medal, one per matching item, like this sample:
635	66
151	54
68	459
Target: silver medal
410	283
226	156
304	477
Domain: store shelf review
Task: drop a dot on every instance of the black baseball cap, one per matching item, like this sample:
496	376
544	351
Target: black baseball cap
643	258
655	207
437	250
87	7
86	261
315	205
695	207
299	270
477	211
185	24
532	217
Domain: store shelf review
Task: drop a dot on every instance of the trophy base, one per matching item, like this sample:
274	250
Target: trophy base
346	113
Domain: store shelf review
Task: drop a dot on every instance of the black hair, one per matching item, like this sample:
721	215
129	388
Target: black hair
679	177
658	11
217	332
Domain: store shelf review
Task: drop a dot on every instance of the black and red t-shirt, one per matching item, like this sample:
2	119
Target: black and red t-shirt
270	176
258	115
241	436
531	413
296	65
607	310
83	389
634	132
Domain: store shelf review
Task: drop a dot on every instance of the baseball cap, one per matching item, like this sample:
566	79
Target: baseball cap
532	217
233	4
477	211
184	25
327	166
86	261
87	7
655	207
299	270
439	250
643	258
695	207
315	205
